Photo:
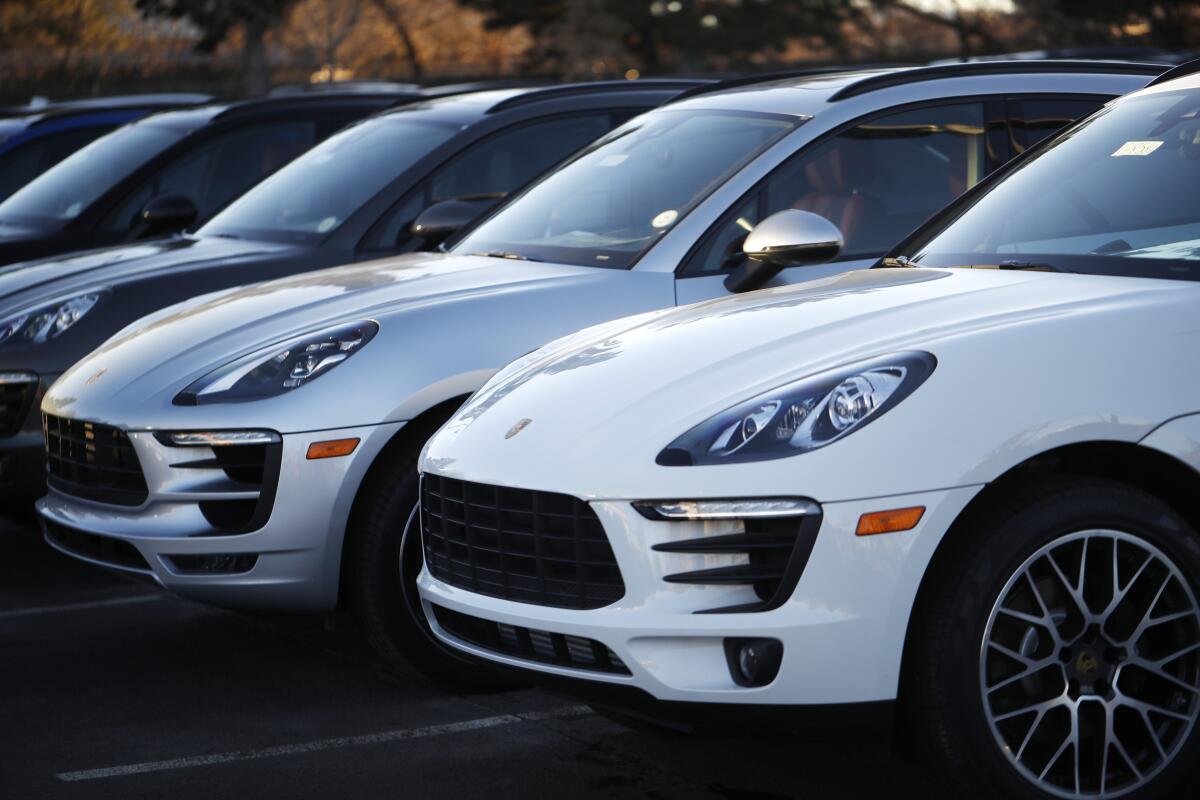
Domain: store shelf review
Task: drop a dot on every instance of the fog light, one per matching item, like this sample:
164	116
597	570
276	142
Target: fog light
753	662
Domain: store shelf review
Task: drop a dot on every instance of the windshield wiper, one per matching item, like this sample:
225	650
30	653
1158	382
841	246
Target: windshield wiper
899	261
1030	266
505	254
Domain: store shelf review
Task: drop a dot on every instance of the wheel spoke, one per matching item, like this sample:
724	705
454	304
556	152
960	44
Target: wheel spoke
1148	616
1030	618
1057	755
1145	707
1040	708
1075	593
1119	592
1153	668
1037	595
1041	715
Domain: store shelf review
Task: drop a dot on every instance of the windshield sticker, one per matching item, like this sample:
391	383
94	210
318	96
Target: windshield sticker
1137	149
665	218
326	224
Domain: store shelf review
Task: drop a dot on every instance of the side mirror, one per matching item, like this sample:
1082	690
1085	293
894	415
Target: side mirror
442	220
789	238
167	213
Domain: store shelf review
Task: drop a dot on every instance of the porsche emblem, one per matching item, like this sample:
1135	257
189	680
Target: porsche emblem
1087	663
96	377
515	429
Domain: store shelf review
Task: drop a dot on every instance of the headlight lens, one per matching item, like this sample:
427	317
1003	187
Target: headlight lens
45	322
801	416
280	368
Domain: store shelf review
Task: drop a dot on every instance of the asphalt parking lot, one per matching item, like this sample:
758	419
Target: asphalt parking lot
111	689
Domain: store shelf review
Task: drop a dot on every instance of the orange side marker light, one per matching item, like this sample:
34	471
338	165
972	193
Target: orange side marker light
331	449
898	519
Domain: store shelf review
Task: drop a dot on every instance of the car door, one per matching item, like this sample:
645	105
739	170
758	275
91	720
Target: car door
876	180
489	169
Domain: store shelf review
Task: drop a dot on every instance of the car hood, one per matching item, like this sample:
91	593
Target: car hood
619	394
31	282
425	305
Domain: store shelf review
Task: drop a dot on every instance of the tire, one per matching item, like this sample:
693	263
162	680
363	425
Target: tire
964	696
385	558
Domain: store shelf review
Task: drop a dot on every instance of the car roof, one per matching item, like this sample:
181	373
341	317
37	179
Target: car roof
40	113
807	91
473	105
260	106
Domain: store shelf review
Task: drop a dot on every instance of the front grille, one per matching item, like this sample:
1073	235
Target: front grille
104	549
92	461
530	547
16	395
560	649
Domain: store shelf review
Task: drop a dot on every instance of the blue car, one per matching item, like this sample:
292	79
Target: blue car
34	138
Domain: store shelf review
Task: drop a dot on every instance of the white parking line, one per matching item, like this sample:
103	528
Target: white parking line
324	744
116	601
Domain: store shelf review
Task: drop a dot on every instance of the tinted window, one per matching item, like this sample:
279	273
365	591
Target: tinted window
1115	196
63	192
499	164
220	168
611	204
1032	120
28	160
315	194
876	182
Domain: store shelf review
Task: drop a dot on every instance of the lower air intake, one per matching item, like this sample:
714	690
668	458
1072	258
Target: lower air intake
528	644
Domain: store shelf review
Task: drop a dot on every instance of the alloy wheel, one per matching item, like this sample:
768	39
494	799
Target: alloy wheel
1090	665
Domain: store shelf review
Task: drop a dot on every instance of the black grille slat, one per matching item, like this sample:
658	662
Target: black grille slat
530	547
545	647
93	461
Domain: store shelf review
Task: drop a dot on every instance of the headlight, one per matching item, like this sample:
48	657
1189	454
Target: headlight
279	368
41	323
801	416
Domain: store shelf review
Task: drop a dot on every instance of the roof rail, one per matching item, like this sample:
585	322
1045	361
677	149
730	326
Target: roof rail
1186	68
918	74
764	77
568	89
254	105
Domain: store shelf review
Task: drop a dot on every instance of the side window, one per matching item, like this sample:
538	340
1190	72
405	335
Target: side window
493	167
219	169
25	162
1033	119
876	182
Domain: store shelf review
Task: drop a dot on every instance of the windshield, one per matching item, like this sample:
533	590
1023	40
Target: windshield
62	192
610	205
312	196
1114	196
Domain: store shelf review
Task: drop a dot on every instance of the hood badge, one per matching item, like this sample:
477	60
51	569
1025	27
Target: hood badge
515	429
96	377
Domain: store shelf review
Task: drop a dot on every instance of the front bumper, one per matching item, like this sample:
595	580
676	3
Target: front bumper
294	558
842	630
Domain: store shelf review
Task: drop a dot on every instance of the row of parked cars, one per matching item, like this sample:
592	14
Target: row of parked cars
686	507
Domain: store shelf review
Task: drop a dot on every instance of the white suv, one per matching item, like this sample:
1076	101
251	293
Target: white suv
205	448
966	480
